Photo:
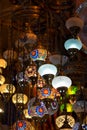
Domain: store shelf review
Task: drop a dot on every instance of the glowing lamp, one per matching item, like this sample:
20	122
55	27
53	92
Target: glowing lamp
47	69
47	93
3	63
65	123
19	98
2	79
72	90
38	54
25	111
61	81
73	44
7	88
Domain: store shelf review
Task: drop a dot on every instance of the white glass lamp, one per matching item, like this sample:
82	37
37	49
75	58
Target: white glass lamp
61	81
47	69
74	22
73	44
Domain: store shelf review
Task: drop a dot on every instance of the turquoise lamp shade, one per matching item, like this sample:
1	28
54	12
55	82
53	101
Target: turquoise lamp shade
61	81
73	44
47	69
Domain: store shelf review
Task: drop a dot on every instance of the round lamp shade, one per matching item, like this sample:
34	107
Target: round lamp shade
74	22
35	109
73	44
3	63
61	119
7	88
38	54
22	125
56	59
2	79
19	98
61	81
47	69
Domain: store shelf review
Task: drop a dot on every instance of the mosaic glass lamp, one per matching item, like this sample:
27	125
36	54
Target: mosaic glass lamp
39	53
23	125
64	122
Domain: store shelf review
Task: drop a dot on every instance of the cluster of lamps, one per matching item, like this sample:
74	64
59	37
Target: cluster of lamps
48	92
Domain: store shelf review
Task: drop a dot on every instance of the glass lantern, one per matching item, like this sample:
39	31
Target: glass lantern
73	44
61	81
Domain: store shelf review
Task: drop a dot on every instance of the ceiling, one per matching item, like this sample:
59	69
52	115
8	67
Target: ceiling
48	23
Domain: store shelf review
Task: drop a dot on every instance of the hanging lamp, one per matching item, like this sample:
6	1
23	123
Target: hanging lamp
61	81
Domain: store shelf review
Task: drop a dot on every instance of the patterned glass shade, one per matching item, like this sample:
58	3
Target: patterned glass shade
30	71
3	63
7	88
47	93
47	69
38	54
61	81
56	59
23	125
19	98
36	109
61	119
73	44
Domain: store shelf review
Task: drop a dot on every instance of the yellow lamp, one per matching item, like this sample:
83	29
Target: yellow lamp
3	63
